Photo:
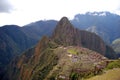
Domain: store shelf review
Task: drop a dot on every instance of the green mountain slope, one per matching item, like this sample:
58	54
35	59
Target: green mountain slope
12	42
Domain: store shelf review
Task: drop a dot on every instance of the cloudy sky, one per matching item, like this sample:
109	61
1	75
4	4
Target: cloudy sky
21	12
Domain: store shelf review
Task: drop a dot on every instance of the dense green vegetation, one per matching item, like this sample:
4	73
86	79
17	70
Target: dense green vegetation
113	64
74	76
47	62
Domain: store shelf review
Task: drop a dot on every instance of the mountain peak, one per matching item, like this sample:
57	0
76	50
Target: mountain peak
64	19
63	26
64	33
64	22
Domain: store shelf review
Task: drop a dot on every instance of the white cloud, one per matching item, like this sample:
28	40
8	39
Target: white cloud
31	10
5	6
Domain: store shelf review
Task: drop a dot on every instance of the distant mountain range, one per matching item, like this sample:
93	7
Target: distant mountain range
14	40
104	24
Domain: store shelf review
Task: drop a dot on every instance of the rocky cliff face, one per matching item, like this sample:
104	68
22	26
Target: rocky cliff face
65	34
93	42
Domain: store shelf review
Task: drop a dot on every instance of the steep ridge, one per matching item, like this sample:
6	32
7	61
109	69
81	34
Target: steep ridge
27	66
12	42
37	29
63	49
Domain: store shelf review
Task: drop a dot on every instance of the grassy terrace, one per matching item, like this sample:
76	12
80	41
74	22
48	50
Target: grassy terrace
113	74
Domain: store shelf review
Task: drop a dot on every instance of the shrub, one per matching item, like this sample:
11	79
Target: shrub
52	78
74	76
114	64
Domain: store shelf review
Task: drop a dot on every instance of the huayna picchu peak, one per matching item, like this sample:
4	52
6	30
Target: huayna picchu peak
69	54
65	33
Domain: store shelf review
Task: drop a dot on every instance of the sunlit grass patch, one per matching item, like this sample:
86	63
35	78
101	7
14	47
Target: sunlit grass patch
72	51
113	74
